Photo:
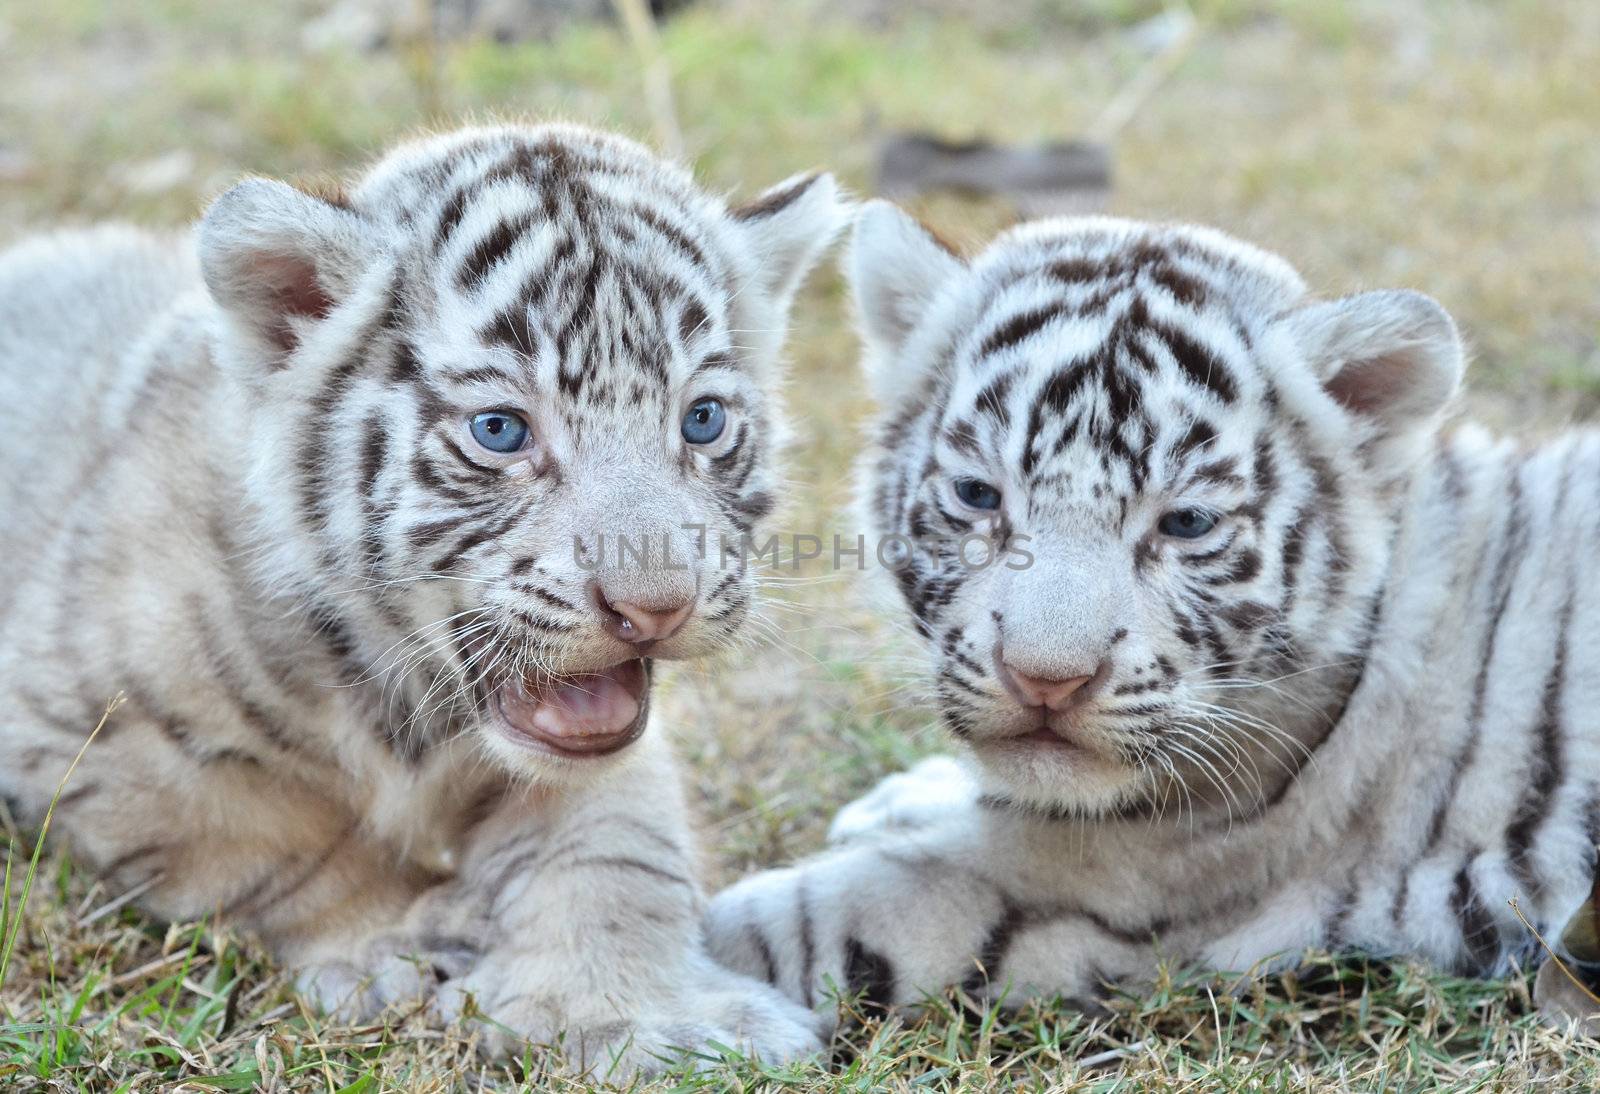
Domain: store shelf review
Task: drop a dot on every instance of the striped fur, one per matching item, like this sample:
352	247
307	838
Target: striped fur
242	492
1360	713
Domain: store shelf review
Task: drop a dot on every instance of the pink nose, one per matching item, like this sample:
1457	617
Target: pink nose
640	623
1042	691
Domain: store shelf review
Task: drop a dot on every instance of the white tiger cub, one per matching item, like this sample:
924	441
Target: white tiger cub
323	532
1293	666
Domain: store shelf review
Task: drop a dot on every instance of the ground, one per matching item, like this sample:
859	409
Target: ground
1450	147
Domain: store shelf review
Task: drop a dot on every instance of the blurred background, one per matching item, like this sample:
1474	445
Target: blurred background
1452	147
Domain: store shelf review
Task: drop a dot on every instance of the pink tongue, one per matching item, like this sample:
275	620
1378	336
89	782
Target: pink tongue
585	706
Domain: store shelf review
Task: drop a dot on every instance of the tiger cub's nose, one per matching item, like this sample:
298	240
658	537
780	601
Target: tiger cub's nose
634	622
1050	692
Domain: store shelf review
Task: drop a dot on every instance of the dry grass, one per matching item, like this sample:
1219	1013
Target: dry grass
1452	147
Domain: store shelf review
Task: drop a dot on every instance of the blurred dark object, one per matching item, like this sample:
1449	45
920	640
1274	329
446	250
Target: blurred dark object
380	24
1057	178
1061	177
1567	989
1580	938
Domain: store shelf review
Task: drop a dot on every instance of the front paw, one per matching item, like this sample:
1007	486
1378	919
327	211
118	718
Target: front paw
596	1038
922	796
358	983
740	1012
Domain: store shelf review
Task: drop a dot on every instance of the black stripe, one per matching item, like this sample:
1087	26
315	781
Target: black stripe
406	368
254	898
315	456
775	201
1500	592
1293	553
1478	931
868	974
480	374
1198	362
1186	290
513	327
1547	760
996	944
451	212
769	967
553	600
374	450
1244	568
128	858
674	236
491	249
1338	918
479	536
423	472
808	946
636	865
1018	327
1199	435
234	681
180	732
77	794
477	470
692	317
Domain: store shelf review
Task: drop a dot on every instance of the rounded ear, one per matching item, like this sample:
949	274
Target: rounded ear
787	227
896	267
276	258
1392	358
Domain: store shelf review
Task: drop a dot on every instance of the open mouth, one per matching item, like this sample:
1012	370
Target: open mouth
577	716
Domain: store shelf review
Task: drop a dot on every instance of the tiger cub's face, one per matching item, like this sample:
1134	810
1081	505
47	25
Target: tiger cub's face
1196	467
509	396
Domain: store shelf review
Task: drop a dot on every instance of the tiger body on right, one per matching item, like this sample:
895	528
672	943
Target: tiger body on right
1294	665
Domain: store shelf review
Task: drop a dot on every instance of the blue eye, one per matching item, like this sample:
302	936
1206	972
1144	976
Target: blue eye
977	493
500	431
1186	523
705	421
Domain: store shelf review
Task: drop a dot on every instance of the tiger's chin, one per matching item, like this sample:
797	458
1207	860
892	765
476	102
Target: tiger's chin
568	725
1045	772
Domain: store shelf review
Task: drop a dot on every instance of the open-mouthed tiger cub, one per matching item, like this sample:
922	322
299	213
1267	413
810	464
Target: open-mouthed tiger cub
332	526
1291	666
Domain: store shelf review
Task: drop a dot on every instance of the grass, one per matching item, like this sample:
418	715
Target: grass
1451	147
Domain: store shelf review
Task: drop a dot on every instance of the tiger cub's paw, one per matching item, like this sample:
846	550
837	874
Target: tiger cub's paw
922	796
382	973
690	1024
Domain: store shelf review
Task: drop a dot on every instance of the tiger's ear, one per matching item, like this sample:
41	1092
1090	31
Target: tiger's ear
896	267
276	259
787	227
1391	358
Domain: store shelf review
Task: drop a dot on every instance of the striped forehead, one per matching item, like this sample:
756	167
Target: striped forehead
590	275
1091	367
